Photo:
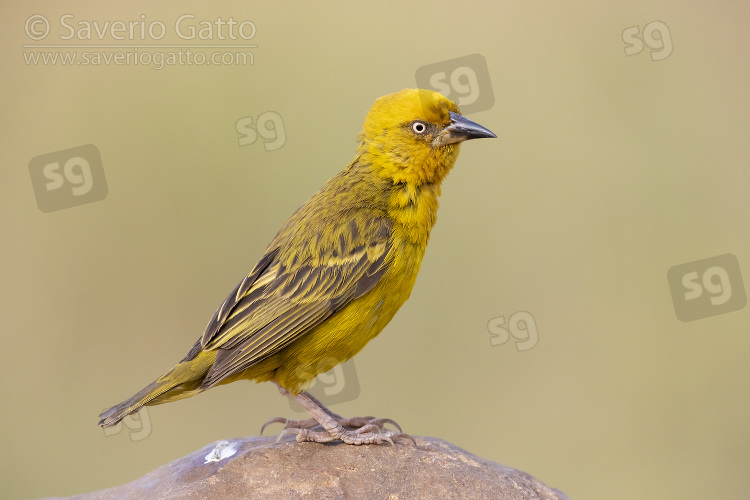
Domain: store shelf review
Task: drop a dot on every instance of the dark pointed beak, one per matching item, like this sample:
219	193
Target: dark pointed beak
461	129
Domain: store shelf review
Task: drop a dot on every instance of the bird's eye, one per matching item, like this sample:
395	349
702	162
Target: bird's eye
419	128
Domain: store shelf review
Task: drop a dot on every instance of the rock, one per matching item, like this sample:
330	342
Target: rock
259	468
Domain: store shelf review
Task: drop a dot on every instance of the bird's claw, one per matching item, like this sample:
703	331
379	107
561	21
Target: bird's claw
356	422
370	420
289	423
367	434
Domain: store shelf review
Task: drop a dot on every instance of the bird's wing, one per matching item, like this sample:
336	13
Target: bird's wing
277	302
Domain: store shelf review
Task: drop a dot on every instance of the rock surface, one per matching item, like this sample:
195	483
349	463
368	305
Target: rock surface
259	468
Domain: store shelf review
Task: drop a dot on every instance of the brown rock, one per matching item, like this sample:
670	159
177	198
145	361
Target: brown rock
259	468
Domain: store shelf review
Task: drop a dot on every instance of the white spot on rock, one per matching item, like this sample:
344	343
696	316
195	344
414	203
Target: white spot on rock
222	450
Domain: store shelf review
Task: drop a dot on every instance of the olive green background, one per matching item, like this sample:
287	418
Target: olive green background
608	171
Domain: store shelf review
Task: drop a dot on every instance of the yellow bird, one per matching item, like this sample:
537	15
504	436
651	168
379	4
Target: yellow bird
334	275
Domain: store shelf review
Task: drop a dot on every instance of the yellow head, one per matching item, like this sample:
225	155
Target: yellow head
414	136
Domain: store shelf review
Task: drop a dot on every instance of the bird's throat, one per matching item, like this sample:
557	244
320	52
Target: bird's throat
413	210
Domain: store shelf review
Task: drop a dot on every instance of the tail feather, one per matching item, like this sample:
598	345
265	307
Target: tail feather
182	381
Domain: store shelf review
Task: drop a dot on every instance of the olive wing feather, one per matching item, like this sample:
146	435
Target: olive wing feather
278	301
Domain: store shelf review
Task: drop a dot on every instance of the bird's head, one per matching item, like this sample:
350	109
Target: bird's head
414	136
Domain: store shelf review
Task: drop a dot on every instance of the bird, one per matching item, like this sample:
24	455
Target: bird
335	274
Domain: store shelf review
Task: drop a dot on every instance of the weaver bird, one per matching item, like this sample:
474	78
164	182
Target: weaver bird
334	275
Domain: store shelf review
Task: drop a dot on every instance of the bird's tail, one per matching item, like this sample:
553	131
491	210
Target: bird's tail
182	381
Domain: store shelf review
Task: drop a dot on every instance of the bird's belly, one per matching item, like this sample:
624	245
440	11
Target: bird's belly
345	333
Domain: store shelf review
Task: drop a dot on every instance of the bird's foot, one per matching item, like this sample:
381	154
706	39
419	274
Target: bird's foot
366	434
327	426
355	422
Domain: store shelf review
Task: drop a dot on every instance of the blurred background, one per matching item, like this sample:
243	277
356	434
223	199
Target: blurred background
580	313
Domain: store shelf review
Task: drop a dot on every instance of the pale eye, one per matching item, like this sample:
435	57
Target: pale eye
419	128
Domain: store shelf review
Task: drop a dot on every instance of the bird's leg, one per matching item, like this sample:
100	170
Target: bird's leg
368	430
309	423
346	422
315	400
301	424
366	433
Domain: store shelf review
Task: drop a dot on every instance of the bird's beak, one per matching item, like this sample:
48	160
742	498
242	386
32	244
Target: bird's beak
460	129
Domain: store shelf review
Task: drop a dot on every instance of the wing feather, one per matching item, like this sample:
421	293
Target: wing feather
276	304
